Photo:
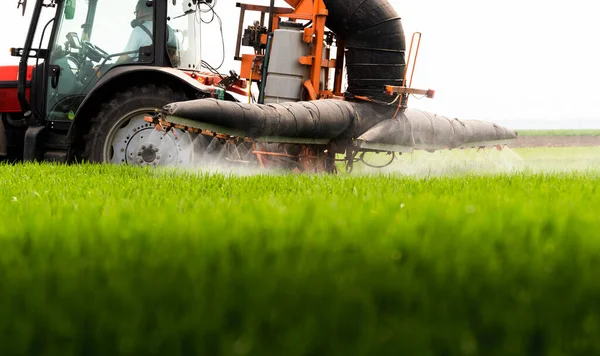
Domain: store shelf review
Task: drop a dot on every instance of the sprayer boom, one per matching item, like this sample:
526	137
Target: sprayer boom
300	117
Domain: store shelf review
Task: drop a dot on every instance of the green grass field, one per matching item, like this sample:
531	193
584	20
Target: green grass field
559	132
99	260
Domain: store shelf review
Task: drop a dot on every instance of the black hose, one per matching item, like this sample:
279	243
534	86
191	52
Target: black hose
271	14
267	60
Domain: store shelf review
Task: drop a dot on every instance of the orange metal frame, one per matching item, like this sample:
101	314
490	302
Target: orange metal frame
309	159
315	11
406	88
414	65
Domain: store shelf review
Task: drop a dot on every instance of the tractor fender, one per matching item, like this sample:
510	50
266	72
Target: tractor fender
126	76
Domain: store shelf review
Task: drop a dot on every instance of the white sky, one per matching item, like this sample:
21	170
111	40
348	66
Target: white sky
516	62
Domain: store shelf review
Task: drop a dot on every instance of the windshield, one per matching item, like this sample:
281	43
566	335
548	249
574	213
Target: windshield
105	33
107	24
86	46
124	26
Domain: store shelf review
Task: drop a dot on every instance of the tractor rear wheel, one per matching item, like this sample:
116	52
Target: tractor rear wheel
118	133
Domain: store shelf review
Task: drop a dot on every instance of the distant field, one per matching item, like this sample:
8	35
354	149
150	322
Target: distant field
492	161
559	132
562	138
114	261
559	159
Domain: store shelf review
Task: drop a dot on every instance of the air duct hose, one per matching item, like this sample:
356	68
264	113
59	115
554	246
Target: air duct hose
342	121
375	57
374	37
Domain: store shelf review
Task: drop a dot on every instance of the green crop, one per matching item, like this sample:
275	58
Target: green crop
102	260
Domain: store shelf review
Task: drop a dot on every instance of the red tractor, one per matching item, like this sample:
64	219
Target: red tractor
88	93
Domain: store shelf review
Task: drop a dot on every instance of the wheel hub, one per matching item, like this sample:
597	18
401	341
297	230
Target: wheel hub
133	141
148	154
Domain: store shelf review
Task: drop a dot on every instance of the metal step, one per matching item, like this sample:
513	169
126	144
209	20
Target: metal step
55	156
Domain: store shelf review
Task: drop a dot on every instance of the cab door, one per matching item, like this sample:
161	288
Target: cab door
89	42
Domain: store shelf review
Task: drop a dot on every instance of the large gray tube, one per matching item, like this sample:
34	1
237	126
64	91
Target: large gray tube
415	129
371	125
319	119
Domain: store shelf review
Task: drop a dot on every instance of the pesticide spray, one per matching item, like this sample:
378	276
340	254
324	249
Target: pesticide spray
209	155
201	154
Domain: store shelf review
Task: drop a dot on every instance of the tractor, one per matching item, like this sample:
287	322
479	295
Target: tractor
85	98
123	82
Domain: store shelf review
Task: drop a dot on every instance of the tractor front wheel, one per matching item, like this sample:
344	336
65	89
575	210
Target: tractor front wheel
119	135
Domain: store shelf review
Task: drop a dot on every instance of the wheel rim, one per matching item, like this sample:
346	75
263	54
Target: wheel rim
133	141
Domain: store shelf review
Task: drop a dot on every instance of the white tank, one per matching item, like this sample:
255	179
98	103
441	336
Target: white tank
285	75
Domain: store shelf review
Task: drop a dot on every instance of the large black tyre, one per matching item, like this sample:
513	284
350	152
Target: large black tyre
118	132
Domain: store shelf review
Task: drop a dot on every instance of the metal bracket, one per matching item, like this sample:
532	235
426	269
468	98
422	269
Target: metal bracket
33	53
391	90
54	73
31	153
23	4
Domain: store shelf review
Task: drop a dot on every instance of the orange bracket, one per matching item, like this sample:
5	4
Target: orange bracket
325	63
312	93
391	90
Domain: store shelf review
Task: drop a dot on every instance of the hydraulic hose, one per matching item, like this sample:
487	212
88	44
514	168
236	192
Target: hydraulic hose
271	13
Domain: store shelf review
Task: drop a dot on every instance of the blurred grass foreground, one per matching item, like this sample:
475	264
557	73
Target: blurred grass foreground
101	260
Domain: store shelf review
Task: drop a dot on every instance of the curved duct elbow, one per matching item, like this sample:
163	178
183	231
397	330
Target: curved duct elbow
374	38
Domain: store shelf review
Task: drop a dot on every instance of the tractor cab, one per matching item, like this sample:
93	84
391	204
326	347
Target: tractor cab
92	37
96	52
